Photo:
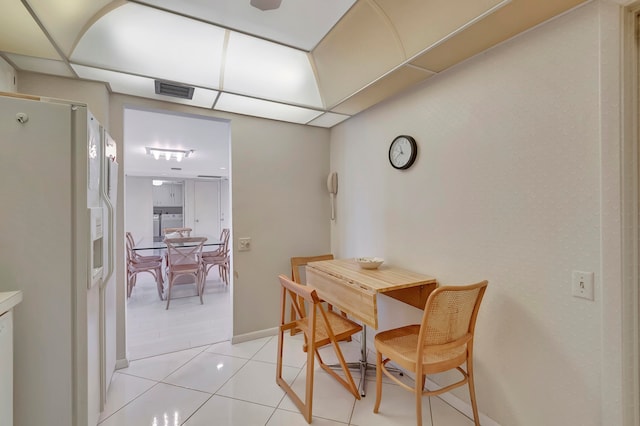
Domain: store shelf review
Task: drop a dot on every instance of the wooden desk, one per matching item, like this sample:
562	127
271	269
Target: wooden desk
344	284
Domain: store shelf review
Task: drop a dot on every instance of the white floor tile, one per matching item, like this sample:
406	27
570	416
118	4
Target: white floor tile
330	399
397	408
445	415
256	382
290	418
154	330
161	405
241	350
124	389
183	355
159	367
292	353
222	411
207	372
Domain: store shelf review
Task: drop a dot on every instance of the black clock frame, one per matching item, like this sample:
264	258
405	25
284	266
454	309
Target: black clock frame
414	152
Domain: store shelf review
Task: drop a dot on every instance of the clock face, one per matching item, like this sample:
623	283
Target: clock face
403	152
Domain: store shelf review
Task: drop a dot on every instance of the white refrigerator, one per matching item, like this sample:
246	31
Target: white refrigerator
57	208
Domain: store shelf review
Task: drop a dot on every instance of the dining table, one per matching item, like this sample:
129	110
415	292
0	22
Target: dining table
151	244
354	290
160	247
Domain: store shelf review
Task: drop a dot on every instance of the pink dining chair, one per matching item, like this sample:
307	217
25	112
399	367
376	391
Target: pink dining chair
219	258
136	257
184	258
152	266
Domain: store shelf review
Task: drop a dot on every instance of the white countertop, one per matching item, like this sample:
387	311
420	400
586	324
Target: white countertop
9	299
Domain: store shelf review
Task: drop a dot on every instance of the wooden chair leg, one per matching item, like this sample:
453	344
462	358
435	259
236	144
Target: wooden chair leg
131	283
418	403
169	292
159	283
472	392
378	381
200	280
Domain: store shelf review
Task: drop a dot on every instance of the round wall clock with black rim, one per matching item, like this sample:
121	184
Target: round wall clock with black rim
403	152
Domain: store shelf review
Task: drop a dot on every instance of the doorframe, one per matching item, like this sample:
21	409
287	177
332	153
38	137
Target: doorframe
630	236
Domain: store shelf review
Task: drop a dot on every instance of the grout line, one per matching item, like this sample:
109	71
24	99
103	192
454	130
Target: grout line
129	402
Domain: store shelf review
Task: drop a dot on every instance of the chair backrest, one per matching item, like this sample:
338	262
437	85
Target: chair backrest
183	232
297	262
129	247
184	250
130	239
224	237
450	315
303	293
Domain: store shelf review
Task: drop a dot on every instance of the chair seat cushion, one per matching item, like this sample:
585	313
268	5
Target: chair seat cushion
183	268
342	328
156	258
401	344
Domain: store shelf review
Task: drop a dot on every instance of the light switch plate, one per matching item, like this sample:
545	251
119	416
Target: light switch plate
582	284
244	244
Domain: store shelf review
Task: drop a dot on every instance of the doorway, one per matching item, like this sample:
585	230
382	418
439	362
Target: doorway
191	190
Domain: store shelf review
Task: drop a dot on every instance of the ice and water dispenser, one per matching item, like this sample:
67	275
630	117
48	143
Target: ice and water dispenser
97	237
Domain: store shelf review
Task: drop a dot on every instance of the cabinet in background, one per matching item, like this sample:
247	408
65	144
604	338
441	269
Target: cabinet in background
168	194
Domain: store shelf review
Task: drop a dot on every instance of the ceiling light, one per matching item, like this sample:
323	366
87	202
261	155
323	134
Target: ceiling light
156	182
266	4
178	154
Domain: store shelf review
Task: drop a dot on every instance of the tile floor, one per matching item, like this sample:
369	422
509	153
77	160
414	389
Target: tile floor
154	330
223	384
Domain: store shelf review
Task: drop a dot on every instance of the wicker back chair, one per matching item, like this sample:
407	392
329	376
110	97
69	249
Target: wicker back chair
443	341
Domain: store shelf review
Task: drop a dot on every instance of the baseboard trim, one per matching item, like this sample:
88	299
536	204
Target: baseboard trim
122	363
268	332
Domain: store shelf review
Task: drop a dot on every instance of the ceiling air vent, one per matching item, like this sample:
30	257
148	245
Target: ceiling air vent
176	168
209	177
175	90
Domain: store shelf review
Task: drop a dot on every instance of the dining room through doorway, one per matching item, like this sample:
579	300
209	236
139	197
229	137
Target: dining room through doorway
193	189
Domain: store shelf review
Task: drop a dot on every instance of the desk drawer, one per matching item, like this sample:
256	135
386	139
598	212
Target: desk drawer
357	301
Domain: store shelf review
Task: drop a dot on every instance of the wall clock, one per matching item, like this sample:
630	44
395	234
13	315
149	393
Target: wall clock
403	152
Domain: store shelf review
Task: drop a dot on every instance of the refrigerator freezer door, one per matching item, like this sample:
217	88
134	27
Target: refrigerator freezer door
47	151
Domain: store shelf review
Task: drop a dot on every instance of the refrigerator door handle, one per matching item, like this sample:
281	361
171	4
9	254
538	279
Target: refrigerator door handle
109	167
110	242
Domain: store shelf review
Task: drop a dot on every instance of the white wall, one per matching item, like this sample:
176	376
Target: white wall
8	79
139	207
507	187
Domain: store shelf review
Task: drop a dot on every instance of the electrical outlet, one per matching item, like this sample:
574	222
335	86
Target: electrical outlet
582	284
244	244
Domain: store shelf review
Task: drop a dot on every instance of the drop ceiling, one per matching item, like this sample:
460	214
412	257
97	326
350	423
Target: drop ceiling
313	62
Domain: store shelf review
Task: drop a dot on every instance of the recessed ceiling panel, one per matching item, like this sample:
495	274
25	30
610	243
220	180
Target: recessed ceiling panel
19	33
46	66
392	83
297	23
510	20
142	86
445	17
328	119
268	70
141	40
265	109
362	47
65	19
